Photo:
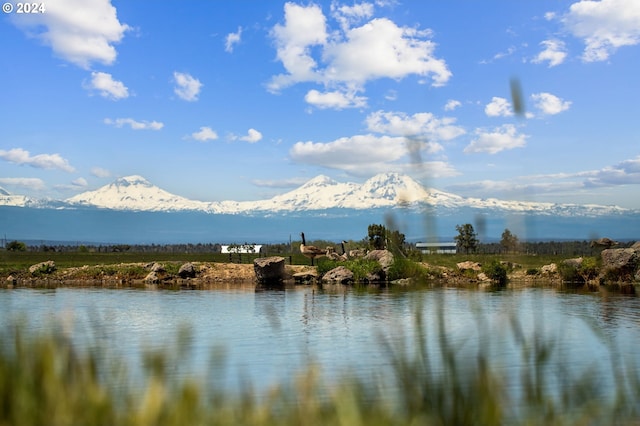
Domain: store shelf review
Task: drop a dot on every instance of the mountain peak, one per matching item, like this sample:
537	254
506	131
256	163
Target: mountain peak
320	180
132	180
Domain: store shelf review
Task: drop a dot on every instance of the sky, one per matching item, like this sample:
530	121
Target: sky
244	100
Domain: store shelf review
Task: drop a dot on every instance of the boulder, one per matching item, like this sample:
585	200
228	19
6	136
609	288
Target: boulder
383	257
620	263
469	265
43	267
152	278
187	270
549	269
269	270
636	246
339	275
156	267
307	277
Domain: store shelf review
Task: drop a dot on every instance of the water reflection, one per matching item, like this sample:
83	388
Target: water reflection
268	334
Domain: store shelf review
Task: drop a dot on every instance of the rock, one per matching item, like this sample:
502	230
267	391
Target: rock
187	271
308	277
269	270
604	242
636	246
155	267
11	280
469	265
620	263
549	269
340	275
43	267
152	278
383	257
483	277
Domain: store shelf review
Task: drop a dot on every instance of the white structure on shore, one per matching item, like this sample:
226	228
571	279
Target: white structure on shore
438	248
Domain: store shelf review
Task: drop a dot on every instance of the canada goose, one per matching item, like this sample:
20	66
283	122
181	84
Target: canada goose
310	251
331	253
343	256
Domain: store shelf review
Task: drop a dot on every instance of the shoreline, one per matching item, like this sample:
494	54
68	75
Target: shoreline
209	275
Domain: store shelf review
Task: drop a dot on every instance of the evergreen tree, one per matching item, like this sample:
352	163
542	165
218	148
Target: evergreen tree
467	239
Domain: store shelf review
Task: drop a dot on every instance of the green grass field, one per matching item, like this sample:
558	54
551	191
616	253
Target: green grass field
18	262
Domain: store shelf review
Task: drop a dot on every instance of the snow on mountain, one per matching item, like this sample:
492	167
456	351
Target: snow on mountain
135	193
8	199
387	190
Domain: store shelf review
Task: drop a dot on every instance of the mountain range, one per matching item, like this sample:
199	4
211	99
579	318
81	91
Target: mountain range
387	190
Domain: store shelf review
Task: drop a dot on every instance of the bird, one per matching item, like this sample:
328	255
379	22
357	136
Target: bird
310	251
344	255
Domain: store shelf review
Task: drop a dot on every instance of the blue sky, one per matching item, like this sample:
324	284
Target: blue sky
244	100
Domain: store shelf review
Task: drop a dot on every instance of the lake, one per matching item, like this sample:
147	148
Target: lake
266	336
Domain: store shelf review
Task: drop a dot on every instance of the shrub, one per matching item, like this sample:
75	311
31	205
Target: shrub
532	271
361	268
496	271
405	268
16	246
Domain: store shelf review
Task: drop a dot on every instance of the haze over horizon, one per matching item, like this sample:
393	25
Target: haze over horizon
219	101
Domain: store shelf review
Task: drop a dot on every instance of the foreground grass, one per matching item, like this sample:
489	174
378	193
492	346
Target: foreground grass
45	380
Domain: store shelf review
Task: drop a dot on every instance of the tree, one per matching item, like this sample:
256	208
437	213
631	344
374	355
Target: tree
377	236
467	238
509	241
16	246
380	238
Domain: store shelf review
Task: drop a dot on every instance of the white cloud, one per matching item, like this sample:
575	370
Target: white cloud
500	139
550	104
336	99
345	59
353	154
80	182
604	26
498	107
204	134
381	49
554	52
452	104
40	161
29	183
78	31
350	15
187	87
232	39
135	125
422	124
285	183
100	172
364	155
106	86
624	173
304	27
252	136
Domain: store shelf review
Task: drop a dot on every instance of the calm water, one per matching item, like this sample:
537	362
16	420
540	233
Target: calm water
268	335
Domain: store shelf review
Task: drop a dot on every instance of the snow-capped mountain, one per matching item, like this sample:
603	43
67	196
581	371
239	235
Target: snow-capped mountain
387	190
8	199
135	193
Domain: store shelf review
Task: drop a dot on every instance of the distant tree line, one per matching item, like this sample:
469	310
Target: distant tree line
378	237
